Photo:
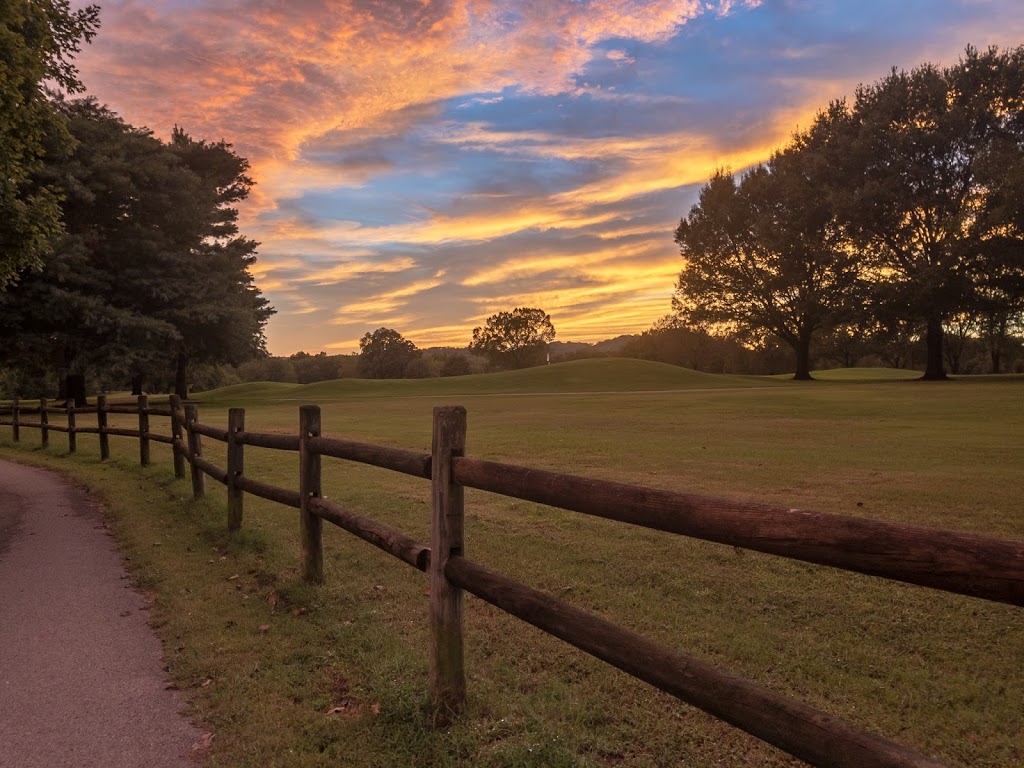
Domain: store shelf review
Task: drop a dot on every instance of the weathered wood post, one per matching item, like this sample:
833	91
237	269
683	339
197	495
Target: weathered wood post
44	420
179	456
236	466
15	427
447	674
310	525
144	430
72	437
101	423
195	448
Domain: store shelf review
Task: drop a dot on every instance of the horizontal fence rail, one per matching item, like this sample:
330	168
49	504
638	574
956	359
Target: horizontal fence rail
276	442
267	491
803	731
970	565
953	562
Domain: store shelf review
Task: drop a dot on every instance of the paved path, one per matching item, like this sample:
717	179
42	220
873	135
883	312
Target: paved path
82	682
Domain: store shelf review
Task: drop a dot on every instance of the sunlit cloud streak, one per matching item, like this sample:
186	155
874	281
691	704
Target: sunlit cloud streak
422	164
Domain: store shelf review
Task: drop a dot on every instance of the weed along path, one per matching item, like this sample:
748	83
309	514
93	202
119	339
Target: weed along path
81	674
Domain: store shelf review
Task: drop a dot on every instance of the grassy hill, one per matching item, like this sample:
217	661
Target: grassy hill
597	375
860	374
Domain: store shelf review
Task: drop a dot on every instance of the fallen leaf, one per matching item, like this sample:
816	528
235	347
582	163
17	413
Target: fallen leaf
264	627
206	682
232	578
272	599
299	612
204	742
375	708
336	710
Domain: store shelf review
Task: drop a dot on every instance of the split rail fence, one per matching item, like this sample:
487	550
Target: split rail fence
977	566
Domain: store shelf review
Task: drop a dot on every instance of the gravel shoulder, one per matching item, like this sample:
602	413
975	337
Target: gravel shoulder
82	679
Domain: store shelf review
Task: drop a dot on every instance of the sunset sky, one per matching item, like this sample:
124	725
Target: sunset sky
422	165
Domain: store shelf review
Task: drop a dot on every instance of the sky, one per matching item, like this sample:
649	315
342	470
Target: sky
424	164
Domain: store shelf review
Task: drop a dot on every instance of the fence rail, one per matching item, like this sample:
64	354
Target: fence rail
977	566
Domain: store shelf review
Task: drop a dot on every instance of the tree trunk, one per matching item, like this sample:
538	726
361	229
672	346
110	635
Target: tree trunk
996	360
181	376
934	370
74	389
137	384
803	360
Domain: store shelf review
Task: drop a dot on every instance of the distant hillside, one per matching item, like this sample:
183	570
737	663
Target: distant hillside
596	375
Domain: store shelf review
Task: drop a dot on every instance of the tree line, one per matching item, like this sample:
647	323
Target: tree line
122	257
506	341
897	216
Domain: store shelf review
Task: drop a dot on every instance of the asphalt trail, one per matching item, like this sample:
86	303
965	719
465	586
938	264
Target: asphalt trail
82	682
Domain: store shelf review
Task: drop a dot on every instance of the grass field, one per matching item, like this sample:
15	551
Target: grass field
339	675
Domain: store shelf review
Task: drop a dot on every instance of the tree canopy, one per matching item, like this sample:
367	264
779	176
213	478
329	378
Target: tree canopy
385	354
515	339
39	39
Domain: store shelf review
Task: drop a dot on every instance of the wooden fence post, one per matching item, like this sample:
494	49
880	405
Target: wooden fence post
15	427
72	437
144	430
195	448
179	457
101	423
310	525
236	466
447	674
44	419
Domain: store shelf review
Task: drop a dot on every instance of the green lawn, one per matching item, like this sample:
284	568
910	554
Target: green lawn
938	672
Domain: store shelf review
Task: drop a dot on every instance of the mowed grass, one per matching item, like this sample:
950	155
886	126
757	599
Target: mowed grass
339	675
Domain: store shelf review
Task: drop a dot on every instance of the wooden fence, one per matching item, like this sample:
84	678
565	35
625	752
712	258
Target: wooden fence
981	567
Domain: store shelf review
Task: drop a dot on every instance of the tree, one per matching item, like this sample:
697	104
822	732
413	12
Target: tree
516	339
385	354
142	270
923	188
765	257
455	364
318	367
38	40
221	314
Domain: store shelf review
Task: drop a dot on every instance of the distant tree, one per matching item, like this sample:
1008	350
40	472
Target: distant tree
455	364
418	368
848	343
385	354
764	256
319	367
515	339
670	340
38	39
